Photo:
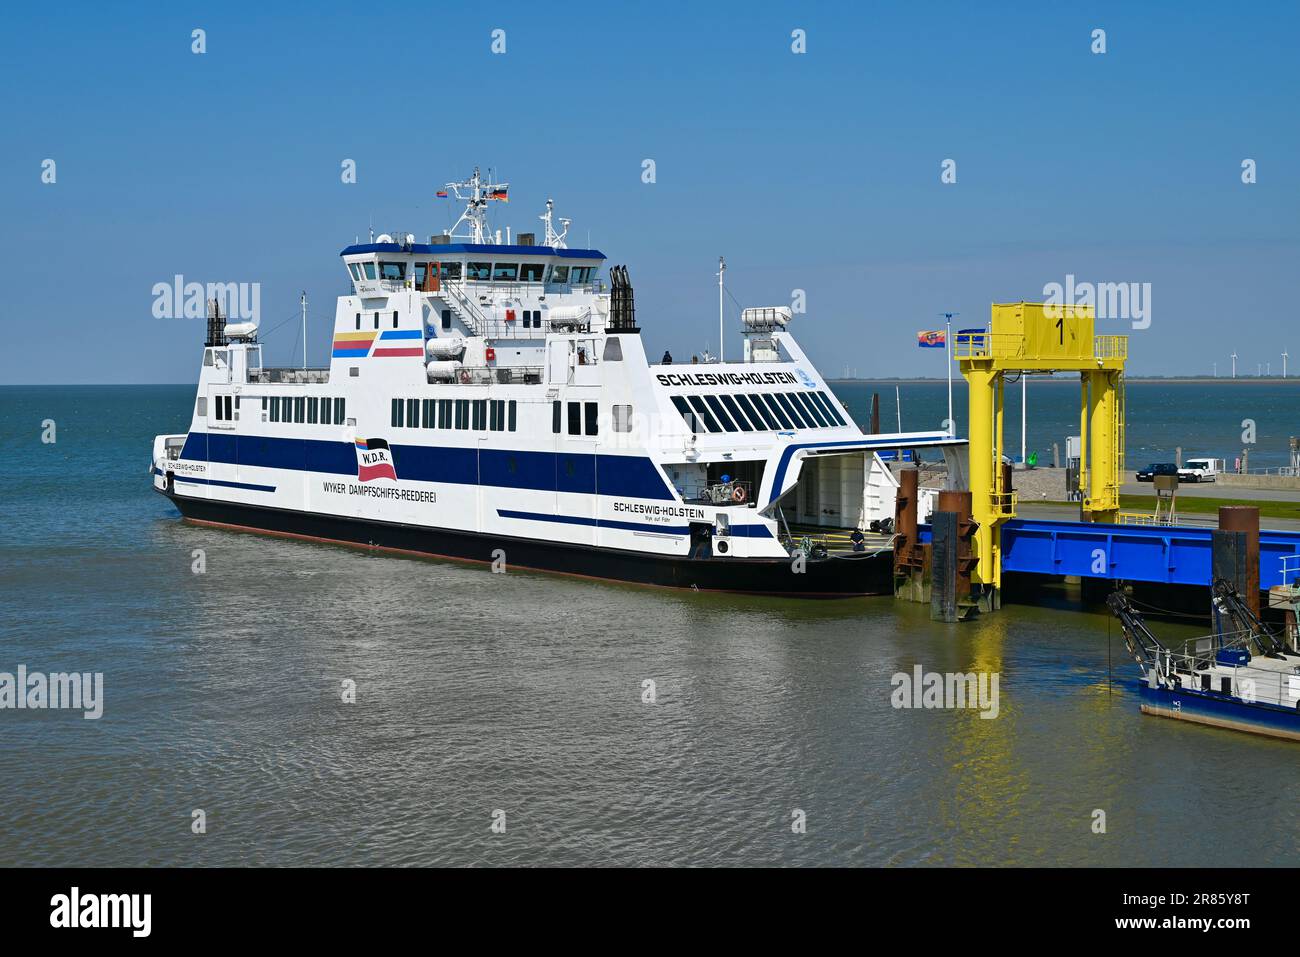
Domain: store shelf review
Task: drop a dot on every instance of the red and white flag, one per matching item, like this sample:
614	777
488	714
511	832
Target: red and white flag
374	460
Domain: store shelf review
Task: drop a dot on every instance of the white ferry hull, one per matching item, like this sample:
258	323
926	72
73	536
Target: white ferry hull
831	577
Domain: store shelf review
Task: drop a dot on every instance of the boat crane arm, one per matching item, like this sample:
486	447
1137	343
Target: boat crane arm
1244	624
1145	648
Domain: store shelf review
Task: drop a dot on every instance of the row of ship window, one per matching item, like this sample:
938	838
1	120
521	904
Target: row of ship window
309	409
477	272
495	415
755	412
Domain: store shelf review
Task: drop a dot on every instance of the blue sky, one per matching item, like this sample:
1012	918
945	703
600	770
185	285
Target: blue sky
818	171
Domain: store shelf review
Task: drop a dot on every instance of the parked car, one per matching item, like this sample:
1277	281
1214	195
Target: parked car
1149	473
1201	470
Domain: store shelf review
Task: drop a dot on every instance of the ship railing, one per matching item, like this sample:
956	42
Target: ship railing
289	376
1290	566
1011	345
1145	518
488	375
1110	347
1003	504
1249	682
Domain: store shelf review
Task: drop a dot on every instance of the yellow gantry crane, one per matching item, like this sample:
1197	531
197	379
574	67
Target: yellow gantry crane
1027	338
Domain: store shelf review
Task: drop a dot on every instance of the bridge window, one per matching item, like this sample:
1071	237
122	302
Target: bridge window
512	415
313	409
396	417
444	413
275	408
338	411
299	407
325	418
462	413
369	269
505	271
559	274
776	410
575	418
757	412
811	408
829	407
449	270
736	414
716	406
426	413
709	421
355	270
394	271
480	414
412	413
531	272
497	415
692	420
593	417
478	272
786	404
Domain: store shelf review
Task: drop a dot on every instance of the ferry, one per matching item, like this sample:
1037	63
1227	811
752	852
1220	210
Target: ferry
1243	676
493	401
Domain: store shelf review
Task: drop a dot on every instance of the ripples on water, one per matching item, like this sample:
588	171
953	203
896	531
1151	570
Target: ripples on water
523	692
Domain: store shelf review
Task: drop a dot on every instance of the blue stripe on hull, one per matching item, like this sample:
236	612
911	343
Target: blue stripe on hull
182	479
628	476
1221	711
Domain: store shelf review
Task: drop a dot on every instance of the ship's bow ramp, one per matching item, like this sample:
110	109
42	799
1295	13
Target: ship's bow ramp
849	484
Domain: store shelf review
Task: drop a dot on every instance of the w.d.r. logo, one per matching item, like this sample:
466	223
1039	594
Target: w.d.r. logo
374	460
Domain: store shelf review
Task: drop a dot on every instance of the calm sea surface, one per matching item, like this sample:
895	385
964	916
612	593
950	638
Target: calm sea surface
523	693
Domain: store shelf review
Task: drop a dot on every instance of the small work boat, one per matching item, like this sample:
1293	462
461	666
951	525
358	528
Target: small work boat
1244	676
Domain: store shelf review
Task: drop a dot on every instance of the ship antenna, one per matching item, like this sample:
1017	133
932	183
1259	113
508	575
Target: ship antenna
475	193
722	270
553	239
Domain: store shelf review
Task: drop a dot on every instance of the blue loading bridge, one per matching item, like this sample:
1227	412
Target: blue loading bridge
1176	555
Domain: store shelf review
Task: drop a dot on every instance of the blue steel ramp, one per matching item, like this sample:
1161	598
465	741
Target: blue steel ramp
1176	555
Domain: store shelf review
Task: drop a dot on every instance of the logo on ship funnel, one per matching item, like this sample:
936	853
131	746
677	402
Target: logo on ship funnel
374	460
808	380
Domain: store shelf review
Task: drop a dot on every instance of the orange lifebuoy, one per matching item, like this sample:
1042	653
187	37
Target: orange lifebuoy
738	494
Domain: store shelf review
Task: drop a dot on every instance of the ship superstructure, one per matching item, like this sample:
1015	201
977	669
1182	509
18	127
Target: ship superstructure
488	394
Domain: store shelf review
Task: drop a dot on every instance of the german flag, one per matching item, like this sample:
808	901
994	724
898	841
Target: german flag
499	192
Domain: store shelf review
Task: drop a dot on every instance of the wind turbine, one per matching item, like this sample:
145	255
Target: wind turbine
1234	365
1284	358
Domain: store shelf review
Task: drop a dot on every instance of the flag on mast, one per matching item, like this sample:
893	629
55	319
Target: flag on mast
936	339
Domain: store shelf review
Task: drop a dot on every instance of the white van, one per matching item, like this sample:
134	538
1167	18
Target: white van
1201	470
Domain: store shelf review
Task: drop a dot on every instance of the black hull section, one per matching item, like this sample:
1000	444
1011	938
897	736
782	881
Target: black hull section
828	578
